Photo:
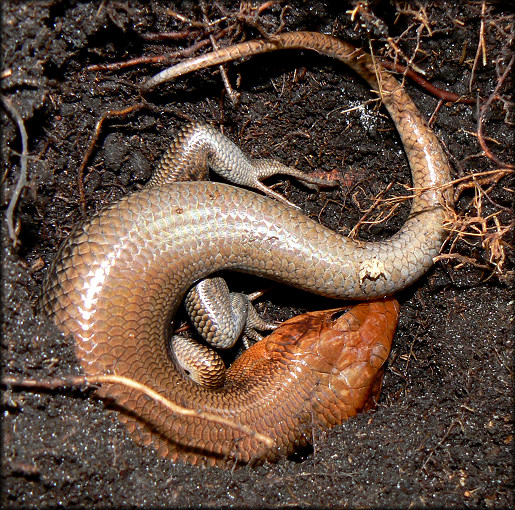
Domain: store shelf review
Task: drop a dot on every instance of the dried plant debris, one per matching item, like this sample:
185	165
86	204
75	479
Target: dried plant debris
71	72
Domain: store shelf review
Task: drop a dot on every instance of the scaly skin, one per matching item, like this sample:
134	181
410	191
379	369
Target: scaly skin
118	280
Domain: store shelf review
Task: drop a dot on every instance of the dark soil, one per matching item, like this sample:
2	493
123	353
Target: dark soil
443	432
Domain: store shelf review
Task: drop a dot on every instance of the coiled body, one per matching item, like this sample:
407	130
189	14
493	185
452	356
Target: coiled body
118	280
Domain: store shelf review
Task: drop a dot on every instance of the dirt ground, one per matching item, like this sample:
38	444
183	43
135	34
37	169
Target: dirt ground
443	432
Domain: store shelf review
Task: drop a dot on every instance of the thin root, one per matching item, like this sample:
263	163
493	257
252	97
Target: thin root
81	381
92	143
22	179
